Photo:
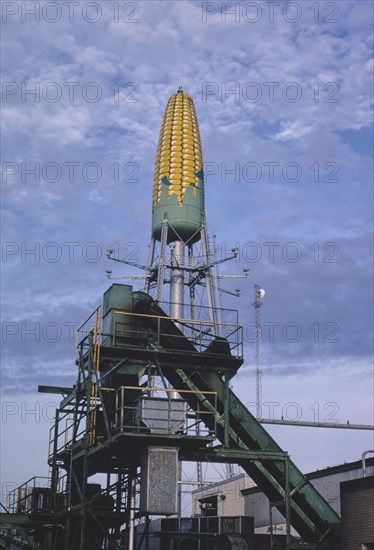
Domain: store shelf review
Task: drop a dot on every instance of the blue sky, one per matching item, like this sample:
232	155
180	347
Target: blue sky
288	161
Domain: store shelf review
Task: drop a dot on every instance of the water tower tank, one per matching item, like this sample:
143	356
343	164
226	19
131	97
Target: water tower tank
178	191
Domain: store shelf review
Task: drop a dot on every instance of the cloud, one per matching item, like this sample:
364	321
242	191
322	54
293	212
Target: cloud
285	114
293	130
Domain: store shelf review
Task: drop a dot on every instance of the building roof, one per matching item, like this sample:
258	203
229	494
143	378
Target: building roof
330	470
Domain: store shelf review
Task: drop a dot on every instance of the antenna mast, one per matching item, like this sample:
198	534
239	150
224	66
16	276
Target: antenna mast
259	294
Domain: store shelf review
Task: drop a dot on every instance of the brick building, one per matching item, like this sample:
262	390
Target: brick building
357	513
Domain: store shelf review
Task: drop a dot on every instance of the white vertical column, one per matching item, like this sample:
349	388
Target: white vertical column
177	279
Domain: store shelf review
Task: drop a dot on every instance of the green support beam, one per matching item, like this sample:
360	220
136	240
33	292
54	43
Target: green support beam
310	513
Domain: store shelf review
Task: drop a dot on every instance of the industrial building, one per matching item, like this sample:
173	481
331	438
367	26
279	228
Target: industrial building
243	498
152	391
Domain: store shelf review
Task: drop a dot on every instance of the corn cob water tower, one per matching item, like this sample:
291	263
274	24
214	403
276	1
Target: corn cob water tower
178	197
178	215
153	388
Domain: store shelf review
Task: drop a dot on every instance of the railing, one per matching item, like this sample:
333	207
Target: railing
128	327
88	339
67	497
66	438
33	496
90	326
154	411
62	497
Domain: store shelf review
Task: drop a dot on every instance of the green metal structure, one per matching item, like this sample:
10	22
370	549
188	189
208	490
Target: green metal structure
98	428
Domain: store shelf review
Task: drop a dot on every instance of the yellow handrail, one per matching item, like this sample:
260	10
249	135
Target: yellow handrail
179	319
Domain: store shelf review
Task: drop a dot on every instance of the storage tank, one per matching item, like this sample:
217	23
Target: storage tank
178	191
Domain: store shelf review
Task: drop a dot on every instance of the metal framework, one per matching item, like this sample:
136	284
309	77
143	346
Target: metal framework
115	411
185	265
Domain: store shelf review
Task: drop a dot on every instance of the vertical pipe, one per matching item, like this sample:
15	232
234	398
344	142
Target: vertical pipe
149	265
177	279
84	510
271	523
208	275
116	411
131	505
176	286
122	407
226	405
118	498
363	461
287	498
219	329
176	311
257	305
54	479
192	314
148	521
118	492
179	482
162	259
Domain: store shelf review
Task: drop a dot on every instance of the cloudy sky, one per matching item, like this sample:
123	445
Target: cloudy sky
283	93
